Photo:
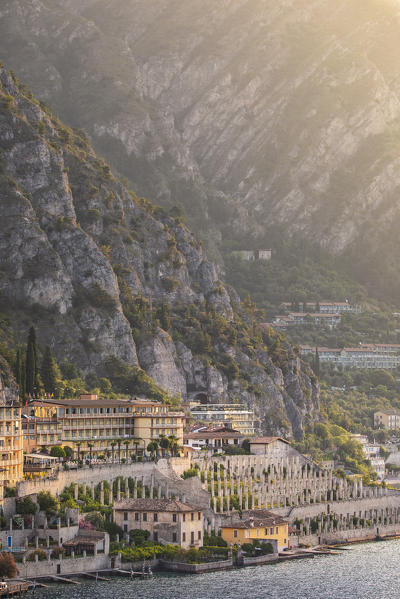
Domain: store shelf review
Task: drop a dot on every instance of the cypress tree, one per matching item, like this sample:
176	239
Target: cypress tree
31	364
163	315
48	371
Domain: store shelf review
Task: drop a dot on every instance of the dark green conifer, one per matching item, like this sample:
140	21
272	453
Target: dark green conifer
31	364
48	371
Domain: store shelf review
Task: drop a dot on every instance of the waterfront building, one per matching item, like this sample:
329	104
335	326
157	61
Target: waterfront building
167	521
389	419
214	439
237	416
11	448
256	525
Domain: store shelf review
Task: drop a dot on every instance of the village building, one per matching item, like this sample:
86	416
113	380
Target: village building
237	416
272	447
11	447
154	420
95	427
253	255
316	319
323	307
256	525
168	521
389	419
366	356
213	439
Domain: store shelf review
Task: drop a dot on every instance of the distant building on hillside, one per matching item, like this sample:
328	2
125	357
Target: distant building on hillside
389	419
317	319
366	356
253	255
322	307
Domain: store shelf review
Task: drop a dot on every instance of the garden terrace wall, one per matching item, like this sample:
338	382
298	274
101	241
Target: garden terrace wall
195	568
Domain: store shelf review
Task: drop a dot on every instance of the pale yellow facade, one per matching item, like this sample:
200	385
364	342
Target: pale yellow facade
277	532
113	429
154	420
11	446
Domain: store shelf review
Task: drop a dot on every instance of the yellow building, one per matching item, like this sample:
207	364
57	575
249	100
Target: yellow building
389	419
154	420
256	525
99	427
11	449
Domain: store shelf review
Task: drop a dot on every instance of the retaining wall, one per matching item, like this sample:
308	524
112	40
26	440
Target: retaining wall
66	566
195	568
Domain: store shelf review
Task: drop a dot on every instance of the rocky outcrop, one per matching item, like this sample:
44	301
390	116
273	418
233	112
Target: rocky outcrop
251	114
103	274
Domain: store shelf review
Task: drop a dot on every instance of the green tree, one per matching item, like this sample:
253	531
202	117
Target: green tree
19	372
163	317
69	452
48	503
48	371
31	364
152	447
26	506
57	452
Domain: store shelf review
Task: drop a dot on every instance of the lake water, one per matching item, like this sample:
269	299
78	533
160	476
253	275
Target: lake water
367	571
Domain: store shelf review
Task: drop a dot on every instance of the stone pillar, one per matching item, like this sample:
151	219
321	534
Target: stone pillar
102	492
118	489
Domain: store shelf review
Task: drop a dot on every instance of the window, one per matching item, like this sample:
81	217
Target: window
125	515
276	530
155	536
192	537
173	517
125	528
266	531
199	515
235	534
144	517
199	535
192	516
174	537
136	517
183	537
184	517
271	531
155	517
284	541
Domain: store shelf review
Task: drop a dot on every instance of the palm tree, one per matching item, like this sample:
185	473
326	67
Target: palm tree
126	443
90	445
136	443
113	444
119	441
78	447
173	444
164	443
152	447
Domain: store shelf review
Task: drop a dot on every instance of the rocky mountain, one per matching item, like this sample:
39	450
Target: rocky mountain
252	114
121	288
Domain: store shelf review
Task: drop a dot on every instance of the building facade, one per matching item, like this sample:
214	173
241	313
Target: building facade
366	356
389	419
256	525
237	416
99	427
11	446
213	439
167	521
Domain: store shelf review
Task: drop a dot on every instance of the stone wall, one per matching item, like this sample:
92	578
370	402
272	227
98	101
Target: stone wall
64	566
195	568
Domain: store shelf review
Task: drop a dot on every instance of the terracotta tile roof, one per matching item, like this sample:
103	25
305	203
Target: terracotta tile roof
254	519
267	440
154	505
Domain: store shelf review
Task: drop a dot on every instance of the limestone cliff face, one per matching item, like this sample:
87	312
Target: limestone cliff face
288	111
104	274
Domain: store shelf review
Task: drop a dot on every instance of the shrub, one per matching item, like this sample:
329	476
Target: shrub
26	506
8	568
48	503
40	553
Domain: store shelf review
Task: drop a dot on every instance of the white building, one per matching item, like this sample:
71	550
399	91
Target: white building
365	356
